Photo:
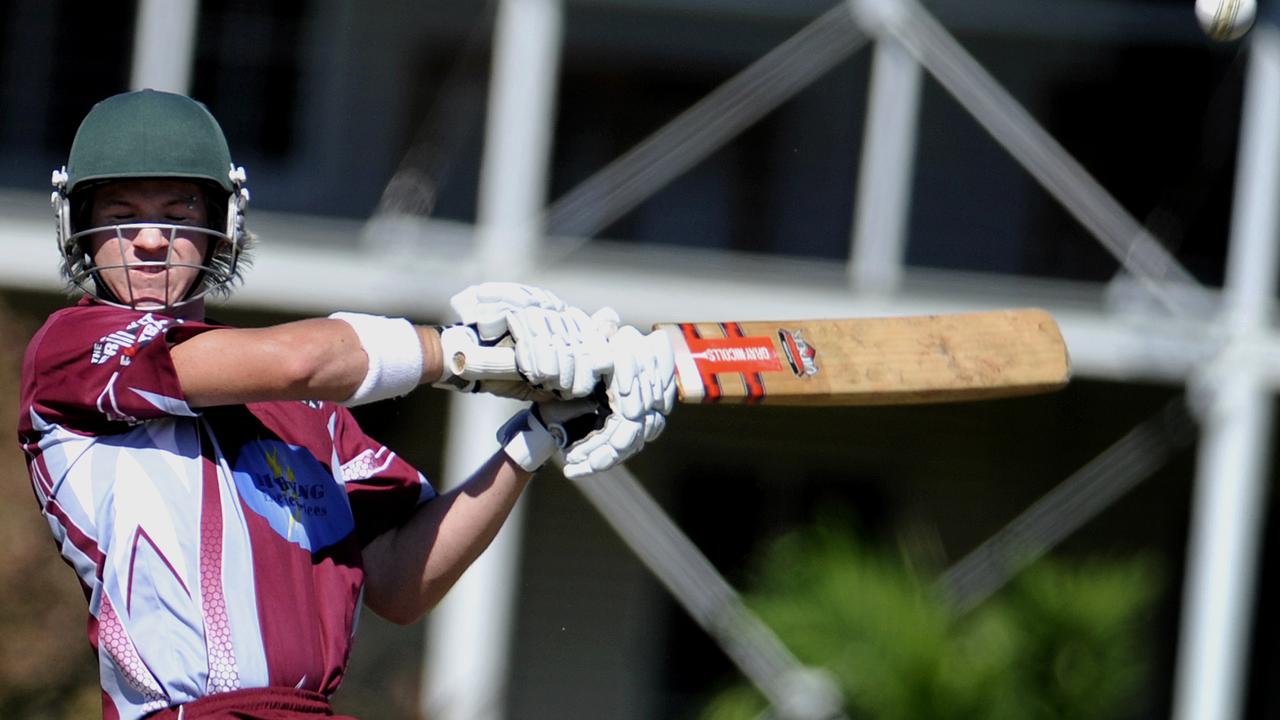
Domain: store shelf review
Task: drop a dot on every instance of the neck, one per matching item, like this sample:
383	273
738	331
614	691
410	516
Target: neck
190	311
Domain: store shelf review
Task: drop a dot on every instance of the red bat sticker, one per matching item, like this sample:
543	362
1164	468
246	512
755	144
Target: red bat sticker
734	355
744	356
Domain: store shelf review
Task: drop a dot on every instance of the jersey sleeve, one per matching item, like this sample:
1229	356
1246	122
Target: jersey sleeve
94	369
382	487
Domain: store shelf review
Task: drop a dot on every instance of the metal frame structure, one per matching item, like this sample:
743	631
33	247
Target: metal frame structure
1221	344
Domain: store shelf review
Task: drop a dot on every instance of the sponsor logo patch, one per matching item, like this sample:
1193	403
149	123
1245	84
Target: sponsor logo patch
296	494
125	343
802	356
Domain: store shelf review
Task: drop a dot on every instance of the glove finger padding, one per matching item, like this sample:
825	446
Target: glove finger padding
560	350
654	423
589	345
566	333
624	395
486	305
606	321
662	375
616	441
643	374
627	348
534	354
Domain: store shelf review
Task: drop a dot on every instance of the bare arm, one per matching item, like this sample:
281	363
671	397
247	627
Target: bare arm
316	359
409	569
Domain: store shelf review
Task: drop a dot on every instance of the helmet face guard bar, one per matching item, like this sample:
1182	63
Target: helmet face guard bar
219	269
89	277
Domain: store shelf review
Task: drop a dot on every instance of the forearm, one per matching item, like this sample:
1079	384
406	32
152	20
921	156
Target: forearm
315	359
410	568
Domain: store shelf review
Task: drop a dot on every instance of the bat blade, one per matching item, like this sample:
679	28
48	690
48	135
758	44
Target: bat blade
870	361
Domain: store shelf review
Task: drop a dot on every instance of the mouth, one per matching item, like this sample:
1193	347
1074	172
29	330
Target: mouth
147	284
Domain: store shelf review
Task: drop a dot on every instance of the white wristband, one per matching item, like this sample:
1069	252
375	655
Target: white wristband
395	356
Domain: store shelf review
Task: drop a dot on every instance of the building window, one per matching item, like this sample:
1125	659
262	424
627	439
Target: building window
248	66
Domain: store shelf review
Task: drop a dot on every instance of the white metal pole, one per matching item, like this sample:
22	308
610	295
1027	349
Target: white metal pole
1232	468
1226	519
469	634
1250	285
884	179
164	45
517	147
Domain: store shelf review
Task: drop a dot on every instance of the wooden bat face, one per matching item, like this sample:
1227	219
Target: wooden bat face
870	361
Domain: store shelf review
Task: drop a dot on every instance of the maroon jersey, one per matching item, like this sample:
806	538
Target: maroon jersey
219	548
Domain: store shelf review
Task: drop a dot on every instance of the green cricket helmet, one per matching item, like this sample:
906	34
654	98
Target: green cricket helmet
149	134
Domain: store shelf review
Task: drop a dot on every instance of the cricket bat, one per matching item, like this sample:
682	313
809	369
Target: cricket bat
870	361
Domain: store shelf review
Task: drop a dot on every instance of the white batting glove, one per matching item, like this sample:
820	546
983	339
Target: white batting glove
562	351
533	435
615	442
644	374
486	305
559	351
641	392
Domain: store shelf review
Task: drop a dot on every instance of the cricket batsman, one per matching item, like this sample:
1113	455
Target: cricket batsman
223	511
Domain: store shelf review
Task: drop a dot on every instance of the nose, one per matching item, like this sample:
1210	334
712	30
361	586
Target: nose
150	240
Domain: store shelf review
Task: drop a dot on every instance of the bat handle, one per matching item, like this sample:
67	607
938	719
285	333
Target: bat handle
485	363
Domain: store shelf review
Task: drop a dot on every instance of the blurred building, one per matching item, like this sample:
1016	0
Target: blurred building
363	127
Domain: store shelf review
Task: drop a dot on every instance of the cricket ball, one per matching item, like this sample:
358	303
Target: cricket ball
1226	19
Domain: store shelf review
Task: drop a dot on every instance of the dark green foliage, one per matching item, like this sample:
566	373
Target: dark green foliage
1063	641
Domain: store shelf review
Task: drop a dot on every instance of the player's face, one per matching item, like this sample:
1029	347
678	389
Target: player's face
149	267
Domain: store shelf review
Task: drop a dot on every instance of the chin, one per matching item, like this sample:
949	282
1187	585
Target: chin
144	300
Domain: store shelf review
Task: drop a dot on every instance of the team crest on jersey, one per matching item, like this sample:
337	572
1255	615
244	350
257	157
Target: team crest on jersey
125	343
294	492
802	356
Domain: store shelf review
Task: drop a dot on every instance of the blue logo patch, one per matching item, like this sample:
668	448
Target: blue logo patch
295	493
